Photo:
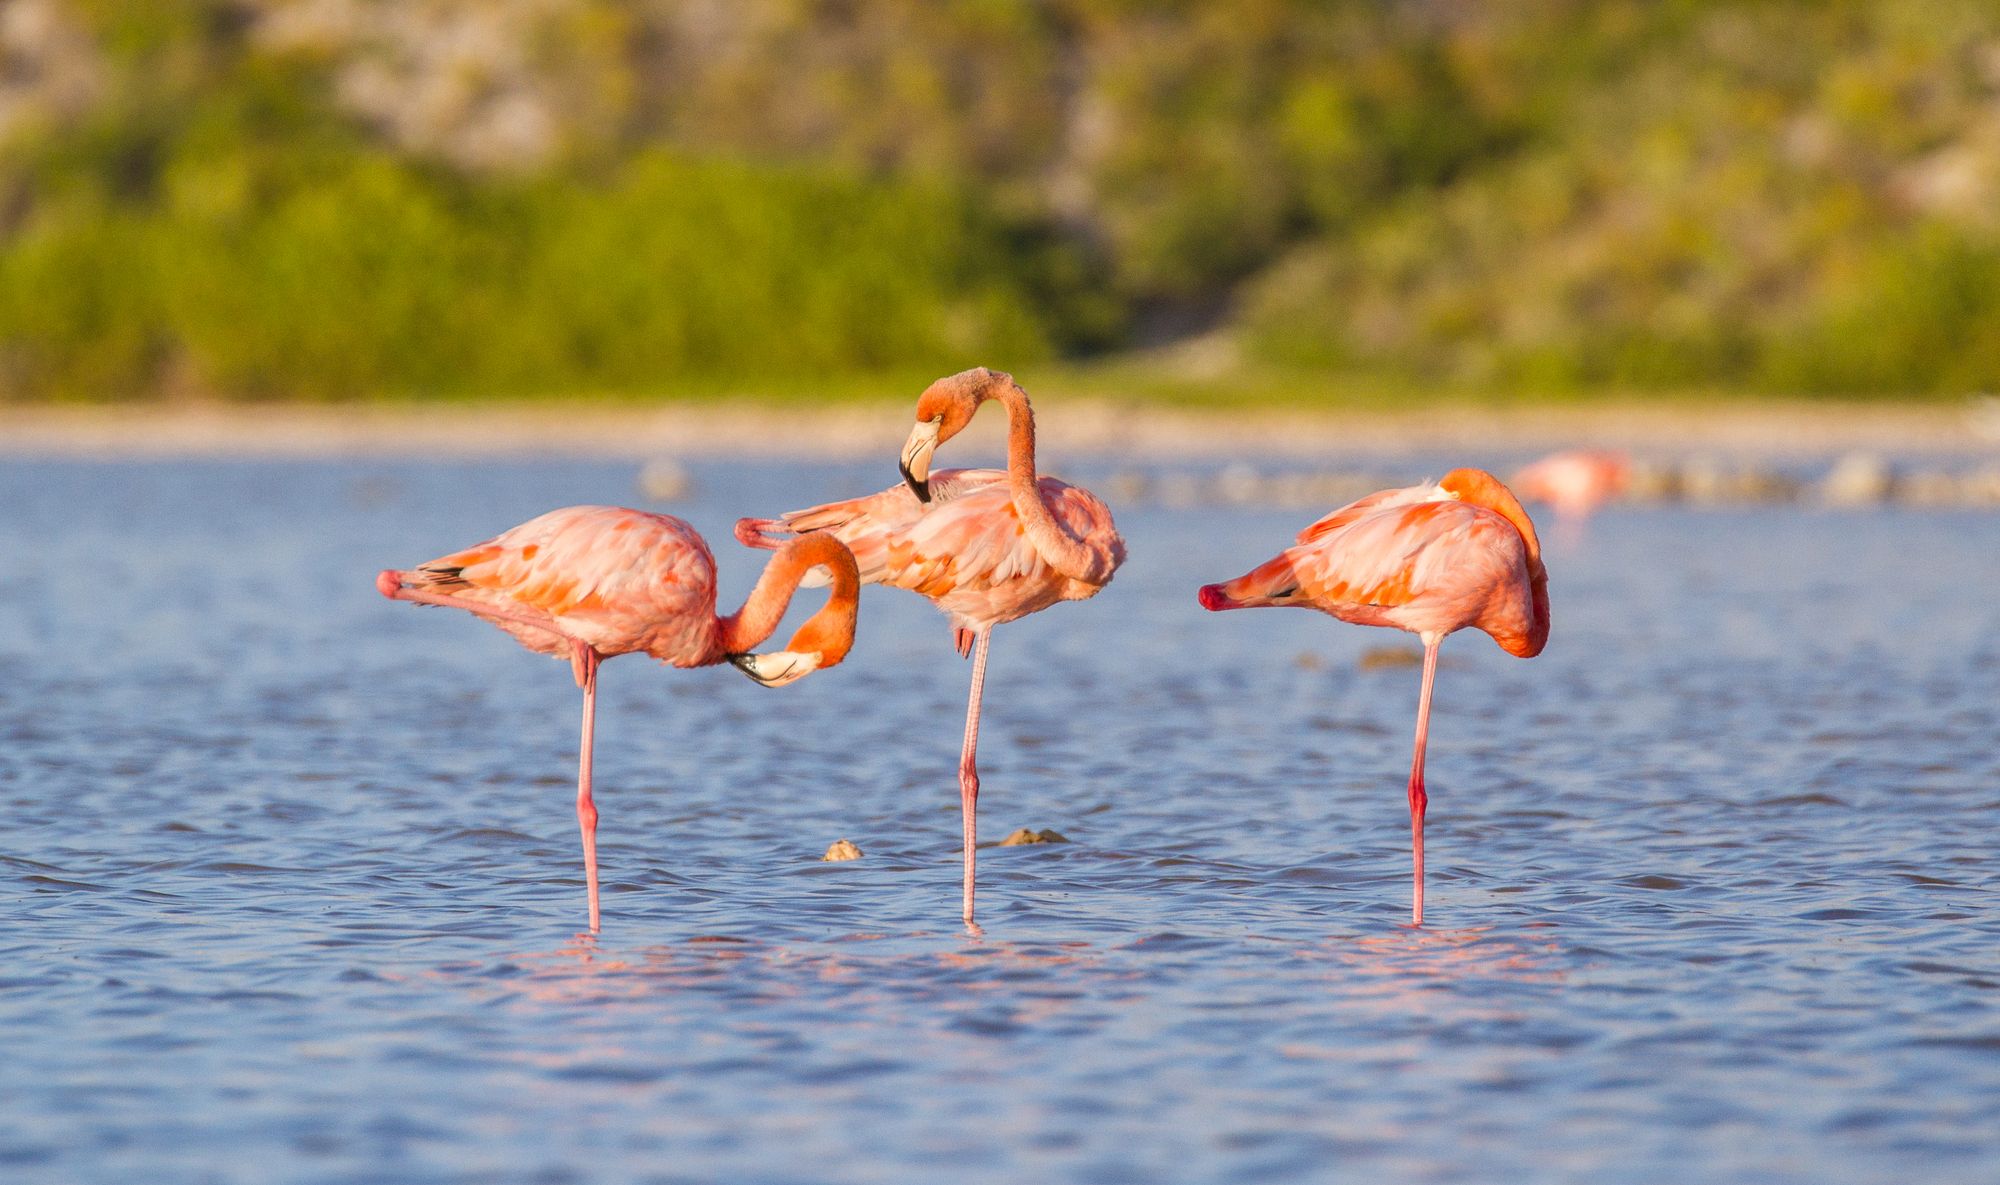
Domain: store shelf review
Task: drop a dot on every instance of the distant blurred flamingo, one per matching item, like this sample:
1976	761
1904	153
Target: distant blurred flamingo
987	546
1429	559
1575	481
588	583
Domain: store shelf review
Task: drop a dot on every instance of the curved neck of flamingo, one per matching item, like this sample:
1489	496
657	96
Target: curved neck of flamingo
828	632
1063	551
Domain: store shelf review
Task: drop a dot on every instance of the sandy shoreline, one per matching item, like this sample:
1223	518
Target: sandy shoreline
1069	427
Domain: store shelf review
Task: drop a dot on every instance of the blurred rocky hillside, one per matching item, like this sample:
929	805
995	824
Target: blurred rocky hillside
330	198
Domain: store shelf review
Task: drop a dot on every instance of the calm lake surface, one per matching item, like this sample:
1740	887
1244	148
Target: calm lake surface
290	887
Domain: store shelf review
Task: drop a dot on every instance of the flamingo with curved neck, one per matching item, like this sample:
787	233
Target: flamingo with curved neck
945	409
589	583
987	546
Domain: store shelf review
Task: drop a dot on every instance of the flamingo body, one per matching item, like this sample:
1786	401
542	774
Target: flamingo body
1420	559
619	581
1429	559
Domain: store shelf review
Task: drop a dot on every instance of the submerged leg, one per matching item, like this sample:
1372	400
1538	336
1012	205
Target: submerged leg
1418	799
586	810
968	771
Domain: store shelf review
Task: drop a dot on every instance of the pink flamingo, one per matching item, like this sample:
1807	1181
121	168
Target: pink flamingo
1429	559
987	546
1575	481
588	583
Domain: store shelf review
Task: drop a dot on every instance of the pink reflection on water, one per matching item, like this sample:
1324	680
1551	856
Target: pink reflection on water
1409	959
582	972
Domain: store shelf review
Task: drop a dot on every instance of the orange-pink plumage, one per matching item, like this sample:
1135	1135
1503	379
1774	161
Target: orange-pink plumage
1575	481
619	581
966	549
1430	559
987	546
589	583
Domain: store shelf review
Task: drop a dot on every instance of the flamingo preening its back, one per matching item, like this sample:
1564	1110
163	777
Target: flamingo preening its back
588	583
988	546
1430	559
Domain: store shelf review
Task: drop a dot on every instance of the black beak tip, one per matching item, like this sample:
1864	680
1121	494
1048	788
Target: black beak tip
922	489
744	663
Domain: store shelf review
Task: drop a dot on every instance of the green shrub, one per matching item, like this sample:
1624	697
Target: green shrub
376	276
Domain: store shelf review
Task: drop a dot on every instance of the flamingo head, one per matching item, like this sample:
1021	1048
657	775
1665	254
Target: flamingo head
815	647
826	637
777	668
943	411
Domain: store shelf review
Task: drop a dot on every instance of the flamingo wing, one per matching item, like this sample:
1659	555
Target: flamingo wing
1375	559
966	548
1428	567
618	580
870	524
978	540
972	542
1361	507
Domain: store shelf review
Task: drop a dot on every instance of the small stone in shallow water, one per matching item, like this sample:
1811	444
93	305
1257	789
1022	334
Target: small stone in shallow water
841	849
1024	836
1389	658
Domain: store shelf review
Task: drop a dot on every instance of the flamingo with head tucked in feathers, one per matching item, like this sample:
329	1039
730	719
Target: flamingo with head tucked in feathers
588	583
1574	481
1430	559
987	546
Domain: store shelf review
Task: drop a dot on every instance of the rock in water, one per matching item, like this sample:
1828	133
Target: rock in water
1024	836
1385	658
841	849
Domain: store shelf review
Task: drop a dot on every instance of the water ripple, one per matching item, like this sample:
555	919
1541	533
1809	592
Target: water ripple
292	888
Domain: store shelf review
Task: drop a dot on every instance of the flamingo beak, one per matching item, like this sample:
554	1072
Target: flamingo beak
916	459
778	668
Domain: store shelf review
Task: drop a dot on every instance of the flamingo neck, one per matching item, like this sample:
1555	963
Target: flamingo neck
1064	552
828	632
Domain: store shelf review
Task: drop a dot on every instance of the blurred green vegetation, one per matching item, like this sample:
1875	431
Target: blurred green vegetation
441	198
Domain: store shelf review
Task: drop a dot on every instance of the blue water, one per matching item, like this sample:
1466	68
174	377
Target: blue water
290	887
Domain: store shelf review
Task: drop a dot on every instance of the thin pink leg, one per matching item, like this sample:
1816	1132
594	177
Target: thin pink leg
968	771
586	810
1419	801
